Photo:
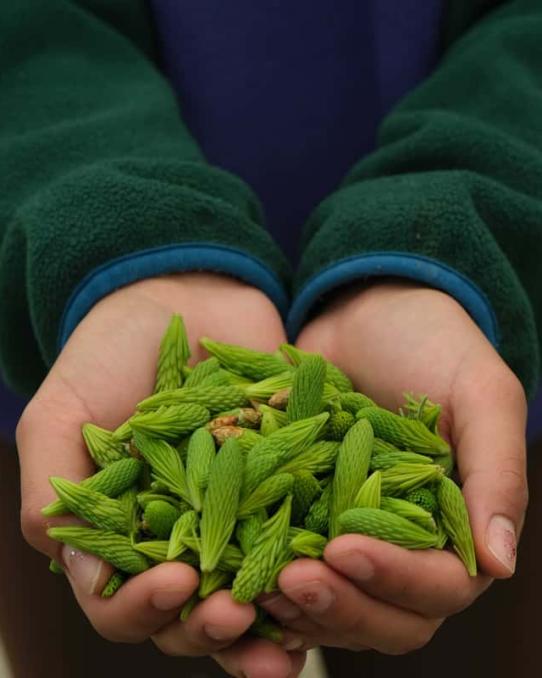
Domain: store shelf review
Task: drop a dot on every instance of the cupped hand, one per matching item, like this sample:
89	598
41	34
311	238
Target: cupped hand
392	338
106	367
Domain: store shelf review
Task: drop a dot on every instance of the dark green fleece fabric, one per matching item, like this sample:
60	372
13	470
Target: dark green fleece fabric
95	163
458	177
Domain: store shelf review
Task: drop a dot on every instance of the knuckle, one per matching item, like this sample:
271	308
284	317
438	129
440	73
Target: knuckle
25	424
166	648
514	388
108	630
175	647
513	481
417	639
500	385
33	526
463	598
357	628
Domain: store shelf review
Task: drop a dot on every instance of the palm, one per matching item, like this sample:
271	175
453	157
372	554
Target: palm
417	340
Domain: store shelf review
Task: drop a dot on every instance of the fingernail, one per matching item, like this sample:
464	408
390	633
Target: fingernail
501	541
281	608
83	569
292	642
356	565
312	596
169	599
217	632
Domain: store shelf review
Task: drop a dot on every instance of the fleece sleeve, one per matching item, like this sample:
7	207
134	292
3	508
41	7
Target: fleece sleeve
452	197
101	183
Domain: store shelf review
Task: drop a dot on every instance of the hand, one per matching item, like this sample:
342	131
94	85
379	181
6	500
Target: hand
107	366
392	338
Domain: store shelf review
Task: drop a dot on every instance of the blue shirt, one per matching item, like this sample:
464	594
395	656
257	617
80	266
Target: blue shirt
288	95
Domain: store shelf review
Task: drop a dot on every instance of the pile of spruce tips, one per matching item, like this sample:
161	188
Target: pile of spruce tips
249	460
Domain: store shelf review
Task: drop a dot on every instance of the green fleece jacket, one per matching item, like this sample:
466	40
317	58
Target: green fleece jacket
96	165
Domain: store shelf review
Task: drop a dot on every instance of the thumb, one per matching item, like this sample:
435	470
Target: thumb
489	434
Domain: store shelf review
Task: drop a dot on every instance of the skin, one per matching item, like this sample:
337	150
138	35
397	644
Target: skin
366	593
391	338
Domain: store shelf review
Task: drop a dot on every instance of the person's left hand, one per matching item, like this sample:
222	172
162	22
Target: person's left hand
392	338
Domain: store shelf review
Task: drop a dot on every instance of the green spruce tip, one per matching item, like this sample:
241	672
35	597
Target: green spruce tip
354	401
278	448
173	355
213	581
387	526
201	371
115	581
266	389
165	462
306	397
244	361
111	547
94	507
351	471
307	544
317	519
213	397
112	481
154	549
102	445
261	562
55	567
339	424
317	458
402	478
305	491
220	504
184	527
424	498
269	424
269	491
248	530
381	462
159	517
200	455
455	519
410	511
171	422
334	375
369	495
401	431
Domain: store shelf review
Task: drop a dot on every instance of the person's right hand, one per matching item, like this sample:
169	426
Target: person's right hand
106	367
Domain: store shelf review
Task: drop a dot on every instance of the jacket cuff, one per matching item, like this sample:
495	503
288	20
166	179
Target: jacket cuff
157	261
403	265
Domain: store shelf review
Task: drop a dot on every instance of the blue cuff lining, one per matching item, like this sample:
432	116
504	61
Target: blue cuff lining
168	259
404	265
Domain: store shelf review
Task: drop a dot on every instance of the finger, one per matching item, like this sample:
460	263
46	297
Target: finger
142	606
257	658
348	617
489	434
431	583
49	442
215	623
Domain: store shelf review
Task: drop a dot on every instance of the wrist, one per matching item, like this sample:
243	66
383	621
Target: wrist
367	308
